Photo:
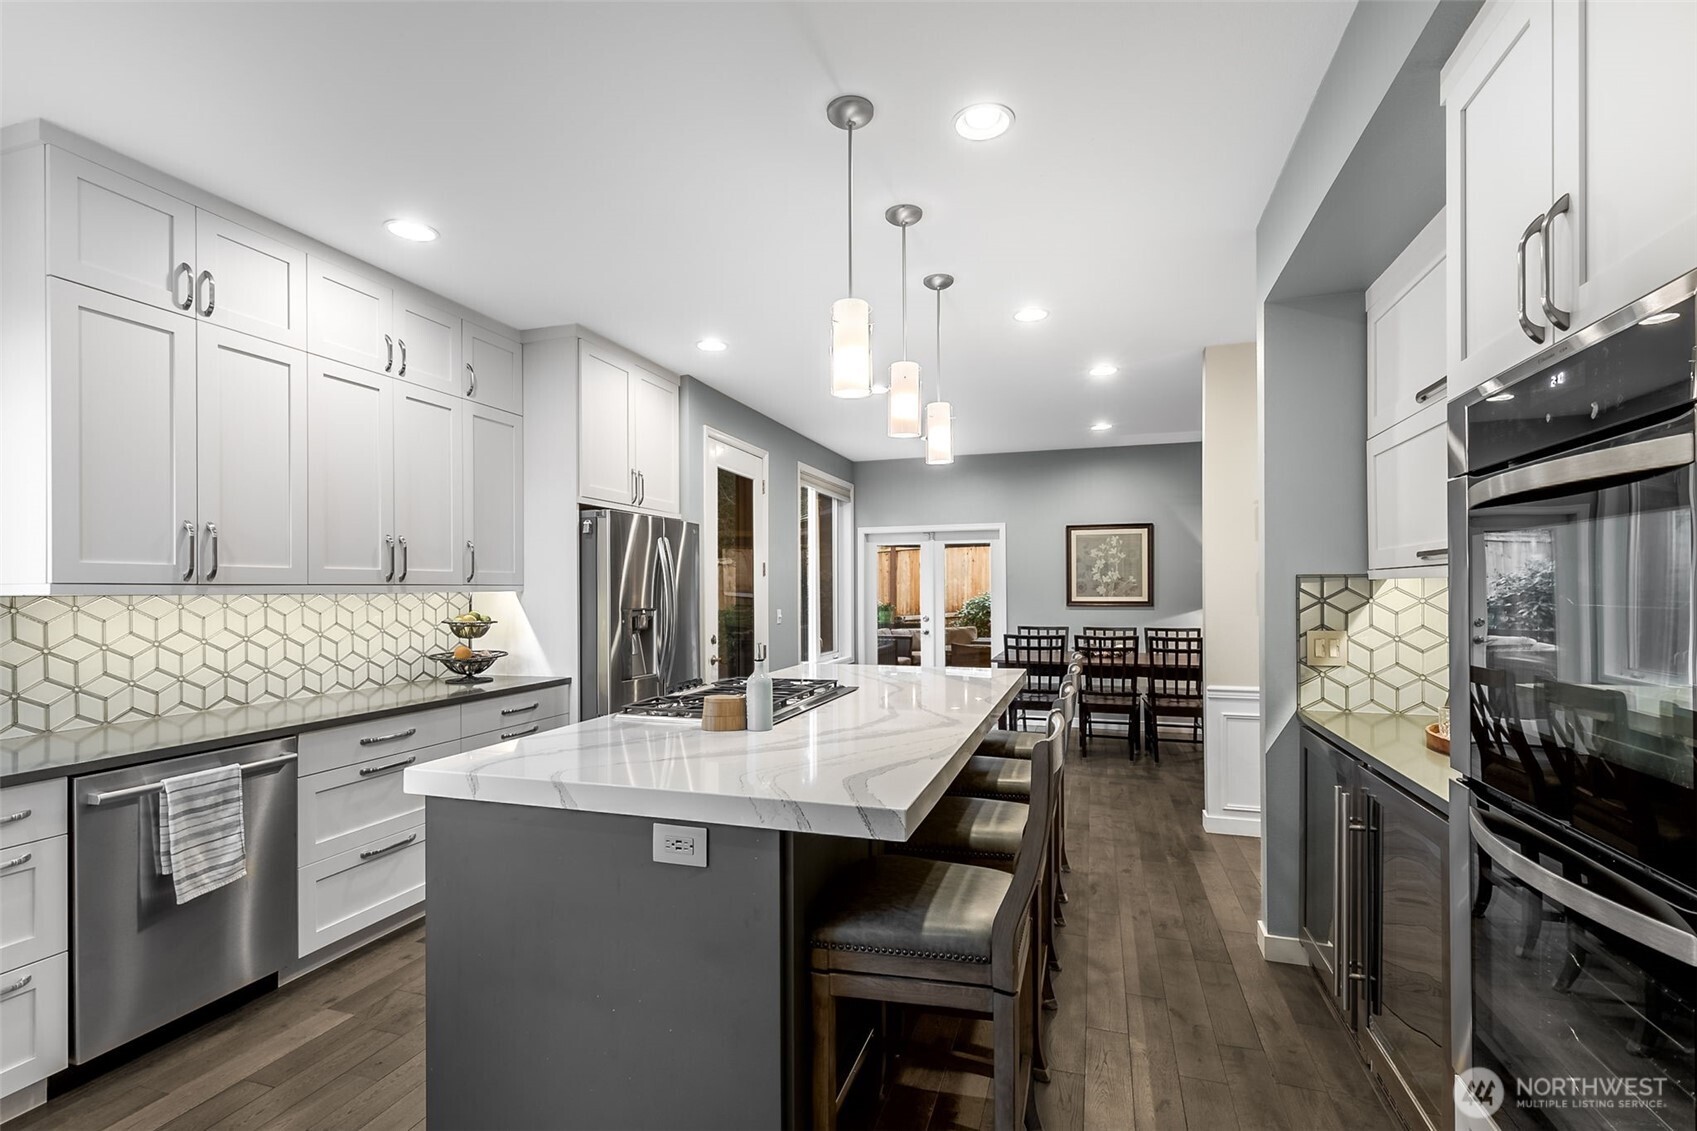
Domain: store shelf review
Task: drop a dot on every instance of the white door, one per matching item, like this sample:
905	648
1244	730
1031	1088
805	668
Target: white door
248	282
733	556
351	317
935	597
1407	520
118	235
494	496
350	467
252	474
427	344
493	369
123	412
654	441
428	541
1625	151
1500	172
604	472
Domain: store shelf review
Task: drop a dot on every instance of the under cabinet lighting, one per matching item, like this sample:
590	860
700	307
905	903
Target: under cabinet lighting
1658	319
415	230
1500	397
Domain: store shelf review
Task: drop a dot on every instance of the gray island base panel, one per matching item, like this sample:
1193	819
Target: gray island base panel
577	983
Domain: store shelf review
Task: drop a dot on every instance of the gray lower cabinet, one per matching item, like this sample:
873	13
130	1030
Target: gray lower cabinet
1374	923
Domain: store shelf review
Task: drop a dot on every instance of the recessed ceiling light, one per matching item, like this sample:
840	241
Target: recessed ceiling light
1658	319
1501	397
416	230
983	121
1104	370
711	345
1100	426
1030	314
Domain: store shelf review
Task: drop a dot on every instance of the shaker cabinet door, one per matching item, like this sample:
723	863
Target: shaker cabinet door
1407	516
604	412
493	369
249	282
427	344
654	440
350	468
118	235
427	487
494	496
350	317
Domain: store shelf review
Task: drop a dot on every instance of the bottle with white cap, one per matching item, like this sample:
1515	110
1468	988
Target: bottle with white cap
758	690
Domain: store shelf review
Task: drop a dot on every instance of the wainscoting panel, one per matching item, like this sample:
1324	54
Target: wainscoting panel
1231	766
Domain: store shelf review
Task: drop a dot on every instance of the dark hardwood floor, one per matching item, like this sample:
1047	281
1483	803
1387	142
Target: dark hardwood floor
1169	1018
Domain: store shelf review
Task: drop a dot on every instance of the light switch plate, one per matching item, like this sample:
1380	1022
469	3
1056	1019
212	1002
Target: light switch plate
1326	648
680	844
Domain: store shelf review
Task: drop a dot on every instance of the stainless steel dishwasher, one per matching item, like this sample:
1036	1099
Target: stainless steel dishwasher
140	960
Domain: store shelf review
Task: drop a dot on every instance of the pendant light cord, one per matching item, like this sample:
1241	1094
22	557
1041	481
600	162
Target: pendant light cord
851	211
938	377
904	292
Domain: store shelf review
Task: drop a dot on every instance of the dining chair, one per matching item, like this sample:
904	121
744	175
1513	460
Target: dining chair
1110	632
1043	630
1044	661
1110	687
1175	683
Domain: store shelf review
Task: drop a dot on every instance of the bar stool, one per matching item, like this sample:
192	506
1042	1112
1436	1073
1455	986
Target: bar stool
1019	743
937	933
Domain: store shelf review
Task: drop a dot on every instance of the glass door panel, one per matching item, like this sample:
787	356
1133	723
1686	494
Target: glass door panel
902	602
734	565
968	603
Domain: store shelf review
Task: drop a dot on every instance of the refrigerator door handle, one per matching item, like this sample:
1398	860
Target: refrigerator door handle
669	601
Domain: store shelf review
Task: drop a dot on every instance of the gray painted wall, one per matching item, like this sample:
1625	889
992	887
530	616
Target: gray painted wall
1037	494
701	406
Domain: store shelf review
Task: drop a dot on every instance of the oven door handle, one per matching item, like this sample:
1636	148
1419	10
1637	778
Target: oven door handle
1604	463
1663	938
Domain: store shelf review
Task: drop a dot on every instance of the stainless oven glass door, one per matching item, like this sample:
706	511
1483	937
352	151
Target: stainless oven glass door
1581	598
1584	988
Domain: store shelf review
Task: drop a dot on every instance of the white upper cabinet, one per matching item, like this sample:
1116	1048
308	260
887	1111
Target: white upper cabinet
1500	170
1625	151
351	317
427	343
122	439
494	374
654	440
118	235
350	467
494	496
249	282
427	487
627	432
1407	523
1405	332
253	460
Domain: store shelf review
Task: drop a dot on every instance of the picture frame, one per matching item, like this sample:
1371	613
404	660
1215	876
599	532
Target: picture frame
1111	566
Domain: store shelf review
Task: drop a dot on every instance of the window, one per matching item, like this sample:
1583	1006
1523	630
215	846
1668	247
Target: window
824	507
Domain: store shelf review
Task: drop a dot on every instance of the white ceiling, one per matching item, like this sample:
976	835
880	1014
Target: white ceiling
665	172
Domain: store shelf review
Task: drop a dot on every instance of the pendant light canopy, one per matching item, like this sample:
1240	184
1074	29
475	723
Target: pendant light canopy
851	318
904	374
939	425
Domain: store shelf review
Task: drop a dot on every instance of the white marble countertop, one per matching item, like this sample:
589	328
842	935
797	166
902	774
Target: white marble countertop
869	765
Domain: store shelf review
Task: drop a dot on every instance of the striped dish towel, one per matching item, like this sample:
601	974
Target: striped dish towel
202	843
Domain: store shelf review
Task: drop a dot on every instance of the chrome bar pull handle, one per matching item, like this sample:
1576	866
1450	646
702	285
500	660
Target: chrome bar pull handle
531	729
1431	390
389	540
187	301
389	345
520	710
99	799
16	860
1339	847
471	380
212	550
188	529
18	816
1559	318
372	771
17	985
404	556
470	545
403	371
373	740
1434	552
1527	326
388	848
209	290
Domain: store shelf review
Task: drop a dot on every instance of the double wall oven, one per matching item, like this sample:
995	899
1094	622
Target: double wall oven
1573	834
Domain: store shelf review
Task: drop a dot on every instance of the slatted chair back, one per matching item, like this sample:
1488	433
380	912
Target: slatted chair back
1175	665
1100	632
1044	661
1015	914
1110	669
1191	633
1048	630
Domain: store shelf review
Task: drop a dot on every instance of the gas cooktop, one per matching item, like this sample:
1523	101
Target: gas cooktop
790	697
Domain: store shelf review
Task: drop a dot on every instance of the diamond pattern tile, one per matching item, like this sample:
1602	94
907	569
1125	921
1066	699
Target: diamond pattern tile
80	661
1398	644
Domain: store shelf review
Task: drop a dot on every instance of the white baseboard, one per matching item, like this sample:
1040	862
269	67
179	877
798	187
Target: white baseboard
1231	762
1279	948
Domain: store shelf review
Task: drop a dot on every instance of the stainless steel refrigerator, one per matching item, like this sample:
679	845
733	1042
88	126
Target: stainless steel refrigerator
641	607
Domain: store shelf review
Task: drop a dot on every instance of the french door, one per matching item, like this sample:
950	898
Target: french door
733	558
932	596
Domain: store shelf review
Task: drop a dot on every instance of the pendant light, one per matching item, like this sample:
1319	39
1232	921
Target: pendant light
939	428
904	374
851	318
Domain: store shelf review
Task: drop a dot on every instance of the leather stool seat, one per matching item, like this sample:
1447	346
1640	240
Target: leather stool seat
974	830
985	775
1010	743
910	907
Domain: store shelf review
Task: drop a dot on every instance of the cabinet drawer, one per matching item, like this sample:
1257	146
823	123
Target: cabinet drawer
33	812
352	805
508	711
34	1023
397	734
34	891
512	730
352	890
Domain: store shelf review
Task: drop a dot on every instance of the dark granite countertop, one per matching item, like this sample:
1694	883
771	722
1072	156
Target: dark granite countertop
1394	745
89	749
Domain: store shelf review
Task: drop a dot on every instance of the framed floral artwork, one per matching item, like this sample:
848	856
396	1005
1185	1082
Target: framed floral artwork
1111	566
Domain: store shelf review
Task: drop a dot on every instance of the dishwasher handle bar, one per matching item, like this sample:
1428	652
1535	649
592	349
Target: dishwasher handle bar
110	796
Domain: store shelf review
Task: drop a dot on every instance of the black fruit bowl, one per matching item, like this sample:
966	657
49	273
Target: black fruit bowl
469	669
468	630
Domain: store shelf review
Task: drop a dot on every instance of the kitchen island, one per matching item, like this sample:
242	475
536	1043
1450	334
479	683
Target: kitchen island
576	982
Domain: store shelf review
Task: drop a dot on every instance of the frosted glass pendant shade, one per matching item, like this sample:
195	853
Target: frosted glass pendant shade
939	436
851	348
904	400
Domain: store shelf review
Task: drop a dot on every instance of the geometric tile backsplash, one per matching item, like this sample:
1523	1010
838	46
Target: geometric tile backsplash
70	662
1398	644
